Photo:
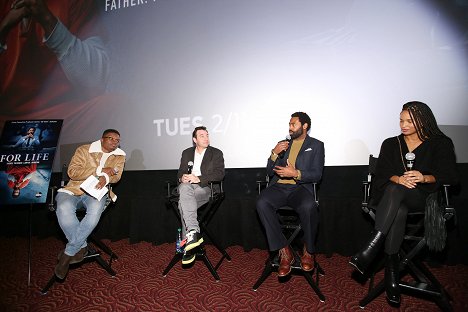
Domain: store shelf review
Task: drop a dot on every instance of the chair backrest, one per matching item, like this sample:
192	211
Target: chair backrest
367	185
372	164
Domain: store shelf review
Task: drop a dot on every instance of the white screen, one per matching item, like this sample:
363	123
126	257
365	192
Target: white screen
242	67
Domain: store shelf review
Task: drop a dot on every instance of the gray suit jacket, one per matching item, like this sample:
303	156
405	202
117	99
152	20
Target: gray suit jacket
212	166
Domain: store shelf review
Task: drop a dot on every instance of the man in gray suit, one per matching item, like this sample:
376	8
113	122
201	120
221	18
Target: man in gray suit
199	165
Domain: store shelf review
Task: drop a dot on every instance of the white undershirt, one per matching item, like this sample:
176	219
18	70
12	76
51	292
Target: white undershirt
197	160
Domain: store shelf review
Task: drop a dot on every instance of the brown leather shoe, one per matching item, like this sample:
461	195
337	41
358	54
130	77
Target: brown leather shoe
79	255
61	269
76	258
286	259
307	264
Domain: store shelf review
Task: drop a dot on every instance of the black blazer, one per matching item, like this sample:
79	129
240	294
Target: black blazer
310	162
212	166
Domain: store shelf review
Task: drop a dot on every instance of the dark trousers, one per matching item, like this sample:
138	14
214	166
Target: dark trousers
392	211
296	197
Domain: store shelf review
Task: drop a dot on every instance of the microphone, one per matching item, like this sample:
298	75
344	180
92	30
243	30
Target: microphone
288	139
409	160
190	166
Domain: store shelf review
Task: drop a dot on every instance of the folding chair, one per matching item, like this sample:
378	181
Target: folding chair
205	214
423	282
95	245
291	227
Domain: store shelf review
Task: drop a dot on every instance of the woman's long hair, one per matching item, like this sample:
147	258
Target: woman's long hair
423	120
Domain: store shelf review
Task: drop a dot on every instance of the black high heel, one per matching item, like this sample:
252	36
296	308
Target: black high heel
392	278
363	259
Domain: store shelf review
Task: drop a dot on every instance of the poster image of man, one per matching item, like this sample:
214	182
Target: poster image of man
29	141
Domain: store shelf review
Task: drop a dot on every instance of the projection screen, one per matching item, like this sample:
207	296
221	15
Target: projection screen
242	67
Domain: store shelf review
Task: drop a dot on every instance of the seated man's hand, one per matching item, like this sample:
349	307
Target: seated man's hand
189	178
102	182
109	171
286	172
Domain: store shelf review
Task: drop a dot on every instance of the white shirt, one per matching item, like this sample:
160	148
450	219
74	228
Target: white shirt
197	160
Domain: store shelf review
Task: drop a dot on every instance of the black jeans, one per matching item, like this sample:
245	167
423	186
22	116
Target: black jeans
296	197
392	211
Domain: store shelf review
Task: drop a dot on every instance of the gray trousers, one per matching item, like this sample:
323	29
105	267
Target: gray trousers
191	197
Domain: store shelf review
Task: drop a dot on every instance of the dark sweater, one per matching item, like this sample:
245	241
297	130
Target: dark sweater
434	156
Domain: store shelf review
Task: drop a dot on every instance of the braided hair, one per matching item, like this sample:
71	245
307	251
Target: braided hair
423	120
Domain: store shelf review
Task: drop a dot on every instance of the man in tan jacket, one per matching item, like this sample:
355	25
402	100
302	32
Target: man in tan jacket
104	160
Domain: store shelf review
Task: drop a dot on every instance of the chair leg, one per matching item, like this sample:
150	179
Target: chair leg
51	282
208	264
215	242
105	265
314	286
426	283
174	260
103	247
374	293
267	270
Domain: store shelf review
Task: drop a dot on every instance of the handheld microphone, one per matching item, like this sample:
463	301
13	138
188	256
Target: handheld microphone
409	160
288	139
190	167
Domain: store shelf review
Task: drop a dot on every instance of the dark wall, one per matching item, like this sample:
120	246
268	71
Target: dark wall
140	213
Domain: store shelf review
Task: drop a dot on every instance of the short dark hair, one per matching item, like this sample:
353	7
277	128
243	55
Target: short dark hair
303	118
194	133
106	132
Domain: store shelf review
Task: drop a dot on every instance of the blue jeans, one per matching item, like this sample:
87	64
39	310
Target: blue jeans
77	231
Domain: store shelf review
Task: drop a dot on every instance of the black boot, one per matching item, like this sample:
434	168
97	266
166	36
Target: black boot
363	259
392	278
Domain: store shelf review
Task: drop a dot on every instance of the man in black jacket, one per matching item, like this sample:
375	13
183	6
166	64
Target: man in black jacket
199	165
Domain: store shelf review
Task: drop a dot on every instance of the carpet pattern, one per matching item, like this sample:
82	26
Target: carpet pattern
140	286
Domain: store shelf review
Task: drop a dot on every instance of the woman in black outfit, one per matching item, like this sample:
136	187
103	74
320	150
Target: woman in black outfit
399	189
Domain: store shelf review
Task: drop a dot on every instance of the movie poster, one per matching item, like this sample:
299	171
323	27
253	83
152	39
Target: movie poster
27	150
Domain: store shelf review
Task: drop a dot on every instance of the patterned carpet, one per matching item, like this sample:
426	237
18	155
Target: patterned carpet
140	286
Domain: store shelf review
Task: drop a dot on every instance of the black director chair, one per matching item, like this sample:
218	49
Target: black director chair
95	246
423	283
291	226
205	214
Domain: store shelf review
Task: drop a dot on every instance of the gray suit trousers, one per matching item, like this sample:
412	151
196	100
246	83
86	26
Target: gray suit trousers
191	197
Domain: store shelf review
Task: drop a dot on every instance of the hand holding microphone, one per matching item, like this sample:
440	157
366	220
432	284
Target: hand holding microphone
411	177
189	177
281	147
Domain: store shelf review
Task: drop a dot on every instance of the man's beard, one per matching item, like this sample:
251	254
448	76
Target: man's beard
296	134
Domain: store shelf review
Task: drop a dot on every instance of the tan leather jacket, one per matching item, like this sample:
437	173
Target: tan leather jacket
86	162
